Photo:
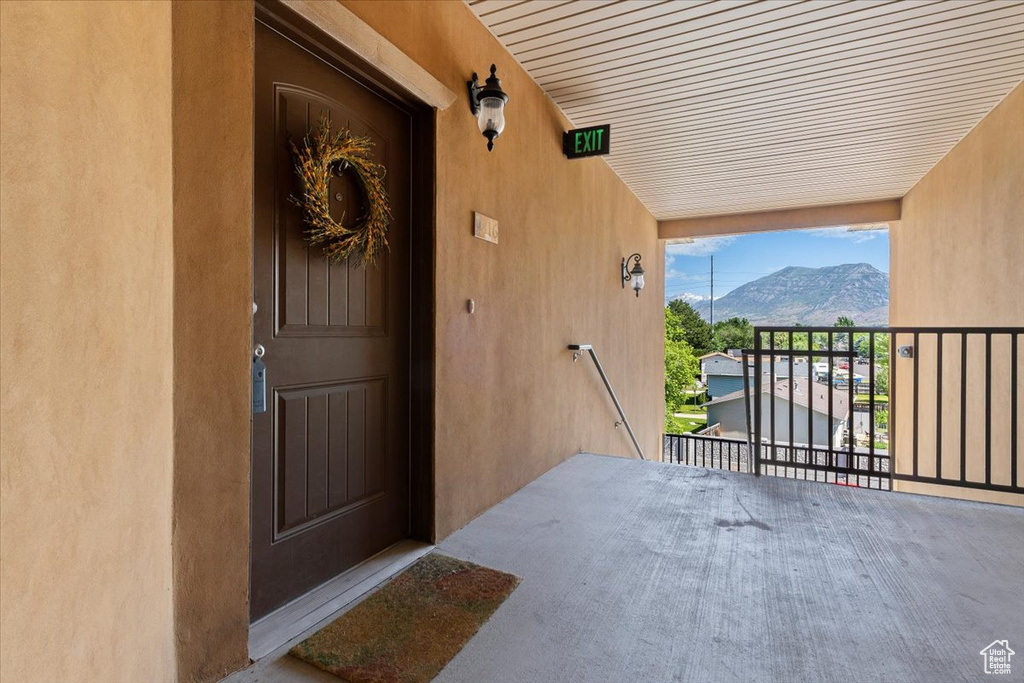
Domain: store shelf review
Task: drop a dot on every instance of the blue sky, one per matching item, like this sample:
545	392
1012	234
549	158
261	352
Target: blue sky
740	259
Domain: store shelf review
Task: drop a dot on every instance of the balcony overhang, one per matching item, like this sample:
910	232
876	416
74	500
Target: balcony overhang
858	216
736	107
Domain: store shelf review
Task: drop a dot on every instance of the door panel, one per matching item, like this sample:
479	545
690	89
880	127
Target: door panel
318	298
338	428
330	456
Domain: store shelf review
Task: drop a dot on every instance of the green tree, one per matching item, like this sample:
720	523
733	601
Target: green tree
673	326
696	331
882	348
881	360
861	345
800	340
681	370
734	333
882	381
841	340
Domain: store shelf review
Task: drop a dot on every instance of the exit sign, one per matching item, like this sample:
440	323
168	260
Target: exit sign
587	142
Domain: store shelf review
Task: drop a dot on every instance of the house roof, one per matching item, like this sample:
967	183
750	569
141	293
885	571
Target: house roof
719	353
736	369
802	390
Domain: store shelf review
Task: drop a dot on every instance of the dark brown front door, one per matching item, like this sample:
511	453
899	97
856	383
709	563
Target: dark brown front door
331	453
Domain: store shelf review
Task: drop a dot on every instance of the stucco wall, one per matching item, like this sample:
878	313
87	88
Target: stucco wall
956	259
511	404
85	333
213	72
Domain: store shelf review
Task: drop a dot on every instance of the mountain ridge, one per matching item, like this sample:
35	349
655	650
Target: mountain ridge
808	296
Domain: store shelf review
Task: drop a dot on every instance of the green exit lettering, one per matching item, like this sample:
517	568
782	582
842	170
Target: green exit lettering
588	140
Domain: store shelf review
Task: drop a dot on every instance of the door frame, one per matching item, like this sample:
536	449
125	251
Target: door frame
422	229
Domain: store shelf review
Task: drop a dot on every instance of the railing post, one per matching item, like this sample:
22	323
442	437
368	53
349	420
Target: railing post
757	403
746	409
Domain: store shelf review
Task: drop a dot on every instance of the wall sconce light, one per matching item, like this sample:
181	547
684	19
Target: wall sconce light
487	102
636	274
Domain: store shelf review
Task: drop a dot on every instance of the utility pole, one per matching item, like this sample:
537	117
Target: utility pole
712	291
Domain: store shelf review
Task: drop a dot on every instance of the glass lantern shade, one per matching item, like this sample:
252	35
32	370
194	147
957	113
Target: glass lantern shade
637	274
638	283
491	118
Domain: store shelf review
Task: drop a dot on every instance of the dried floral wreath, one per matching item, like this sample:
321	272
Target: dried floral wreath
321	156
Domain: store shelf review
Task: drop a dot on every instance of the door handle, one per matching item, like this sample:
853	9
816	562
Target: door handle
259	380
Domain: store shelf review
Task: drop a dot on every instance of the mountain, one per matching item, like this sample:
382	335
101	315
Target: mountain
809	296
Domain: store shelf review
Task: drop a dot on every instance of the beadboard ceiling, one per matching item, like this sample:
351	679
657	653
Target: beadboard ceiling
733	106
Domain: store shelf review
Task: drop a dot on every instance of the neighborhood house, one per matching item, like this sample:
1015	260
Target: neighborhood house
729	412
722	373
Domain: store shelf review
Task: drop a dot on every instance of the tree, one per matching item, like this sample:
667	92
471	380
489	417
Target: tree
882	380
681	363
800	339
882	420
696	331
673	327
882	348
842	339
881	361
734	333
681	369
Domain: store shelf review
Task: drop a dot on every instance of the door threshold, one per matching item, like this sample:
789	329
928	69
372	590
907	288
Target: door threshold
290	623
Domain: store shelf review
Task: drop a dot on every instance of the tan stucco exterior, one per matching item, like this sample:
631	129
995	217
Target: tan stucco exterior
957	252
141	239
511	404
213	157
956	260
86	272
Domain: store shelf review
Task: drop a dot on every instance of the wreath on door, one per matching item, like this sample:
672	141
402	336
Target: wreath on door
322	156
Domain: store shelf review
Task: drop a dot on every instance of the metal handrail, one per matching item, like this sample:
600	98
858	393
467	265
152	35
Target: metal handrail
578	350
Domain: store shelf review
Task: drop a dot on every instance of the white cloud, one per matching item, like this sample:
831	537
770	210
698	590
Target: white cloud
704	246
844	233
689	297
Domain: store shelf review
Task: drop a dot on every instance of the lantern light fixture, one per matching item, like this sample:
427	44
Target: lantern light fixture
487	102
635	275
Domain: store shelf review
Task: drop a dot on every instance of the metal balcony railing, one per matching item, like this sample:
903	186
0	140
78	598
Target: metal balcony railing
830	402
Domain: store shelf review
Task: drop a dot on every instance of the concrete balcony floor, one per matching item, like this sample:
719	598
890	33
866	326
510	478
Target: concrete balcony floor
639	571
